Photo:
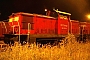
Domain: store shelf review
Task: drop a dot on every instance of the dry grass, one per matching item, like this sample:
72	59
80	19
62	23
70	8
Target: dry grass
69	49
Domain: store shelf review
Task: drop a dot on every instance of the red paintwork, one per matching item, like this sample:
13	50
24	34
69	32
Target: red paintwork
86	27
1	30
74	27
4	28
43	25
63	26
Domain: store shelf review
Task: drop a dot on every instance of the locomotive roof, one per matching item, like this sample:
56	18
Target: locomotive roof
74	20
29	14
83	22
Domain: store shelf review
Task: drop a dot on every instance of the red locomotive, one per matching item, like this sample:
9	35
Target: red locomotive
34	27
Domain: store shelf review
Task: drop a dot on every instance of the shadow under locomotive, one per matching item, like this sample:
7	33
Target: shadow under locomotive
41	39
12	38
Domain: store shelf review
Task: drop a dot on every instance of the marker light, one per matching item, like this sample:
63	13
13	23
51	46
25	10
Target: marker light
45	9
11	19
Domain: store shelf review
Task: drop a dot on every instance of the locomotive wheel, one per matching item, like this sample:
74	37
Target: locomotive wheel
6	40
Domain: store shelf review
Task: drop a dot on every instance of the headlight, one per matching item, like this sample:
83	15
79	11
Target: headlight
16	18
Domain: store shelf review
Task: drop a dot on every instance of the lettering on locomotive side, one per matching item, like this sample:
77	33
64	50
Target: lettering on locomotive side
64	26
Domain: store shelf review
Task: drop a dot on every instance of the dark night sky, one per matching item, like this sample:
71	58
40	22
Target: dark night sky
78	8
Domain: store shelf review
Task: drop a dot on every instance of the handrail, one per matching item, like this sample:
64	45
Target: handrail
19	30
29	27
4	25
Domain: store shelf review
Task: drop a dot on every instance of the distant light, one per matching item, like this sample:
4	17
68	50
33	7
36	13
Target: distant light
88	16
45	9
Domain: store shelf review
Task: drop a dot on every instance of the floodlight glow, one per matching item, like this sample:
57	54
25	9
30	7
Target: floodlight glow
88	16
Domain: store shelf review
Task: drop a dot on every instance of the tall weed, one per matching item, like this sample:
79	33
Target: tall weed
68	49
